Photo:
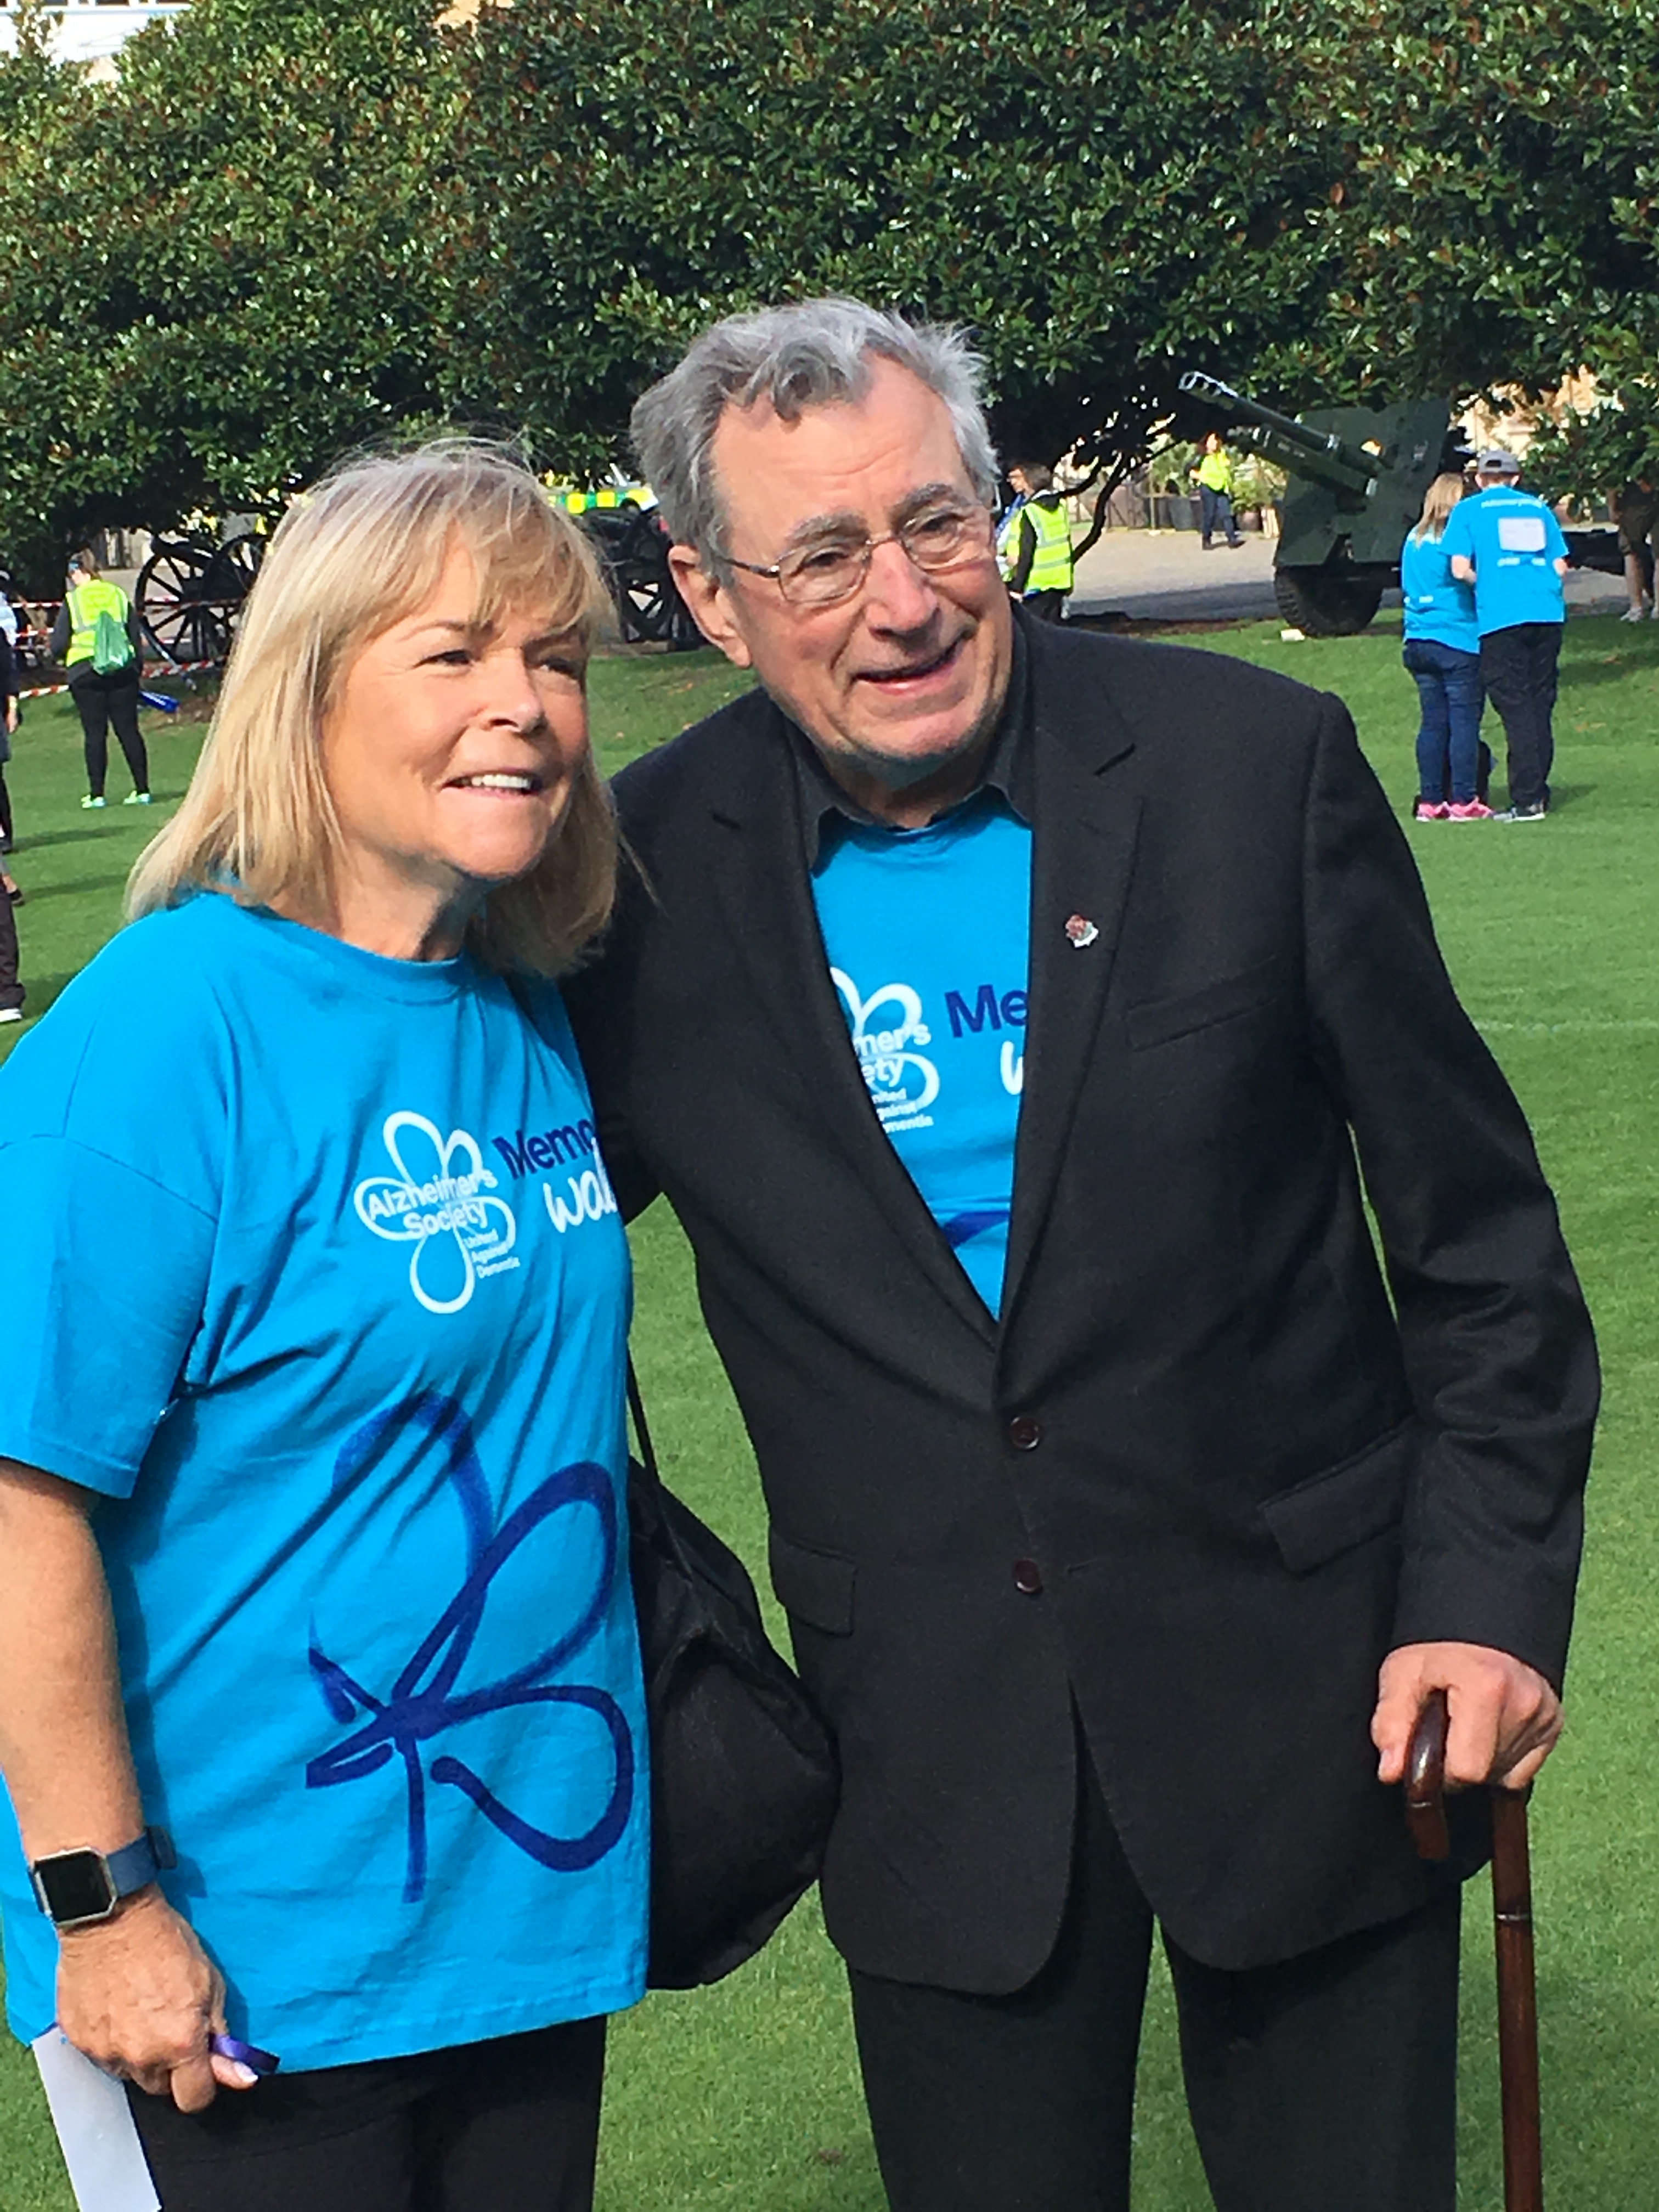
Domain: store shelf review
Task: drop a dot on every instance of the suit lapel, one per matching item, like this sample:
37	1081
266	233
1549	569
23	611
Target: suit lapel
1086	824
760	884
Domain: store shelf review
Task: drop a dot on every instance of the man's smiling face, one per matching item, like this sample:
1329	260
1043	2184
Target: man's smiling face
900	684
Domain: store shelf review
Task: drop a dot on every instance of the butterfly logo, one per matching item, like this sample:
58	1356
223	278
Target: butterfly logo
430	1700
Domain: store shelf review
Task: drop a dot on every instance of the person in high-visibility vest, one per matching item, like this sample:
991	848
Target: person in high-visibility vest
1214	472
1034	542
106	694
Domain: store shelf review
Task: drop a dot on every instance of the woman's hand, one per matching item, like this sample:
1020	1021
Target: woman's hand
12	713
139	1996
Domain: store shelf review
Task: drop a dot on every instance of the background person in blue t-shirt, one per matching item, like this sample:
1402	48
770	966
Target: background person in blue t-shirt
312	1526
1509	545
1442	652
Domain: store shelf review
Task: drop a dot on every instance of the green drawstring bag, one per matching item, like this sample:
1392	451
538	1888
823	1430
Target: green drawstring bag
112	648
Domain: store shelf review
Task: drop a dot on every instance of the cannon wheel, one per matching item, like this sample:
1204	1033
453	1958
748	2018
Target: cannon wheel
1321	603
189	594
174	603
635	552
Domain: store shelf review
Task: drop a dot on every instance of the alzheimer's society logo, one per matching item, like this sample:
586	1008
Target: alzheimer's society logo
437	1202
887	1029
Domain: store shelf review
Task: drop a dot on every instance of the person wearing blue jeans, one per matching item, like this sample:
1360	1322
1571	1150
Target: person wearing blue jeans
1443	654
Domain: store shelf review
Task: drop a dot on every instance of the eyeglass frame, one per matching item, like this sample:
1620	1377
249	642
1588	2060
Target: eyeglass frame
866	551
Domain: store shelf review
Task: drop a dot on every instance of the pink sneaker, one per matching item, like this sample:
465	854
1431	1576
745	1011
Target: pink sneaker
1468	809
1430	810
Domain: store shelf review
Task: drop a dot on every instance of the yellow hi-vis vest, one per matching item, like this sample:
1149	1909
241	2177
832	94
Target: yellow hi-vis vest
1215	473
93	599
1051	564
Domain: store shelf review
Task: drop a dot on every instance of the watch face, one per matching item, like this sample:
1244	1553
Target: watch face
76	1886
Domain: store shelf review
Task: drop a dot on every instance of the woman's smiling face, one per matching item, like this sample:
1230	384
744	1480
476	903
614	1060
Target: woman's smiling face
451	751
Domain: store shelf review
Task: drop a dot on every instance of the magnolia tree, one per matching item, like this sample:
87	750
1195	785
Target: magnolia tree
223	269
289	228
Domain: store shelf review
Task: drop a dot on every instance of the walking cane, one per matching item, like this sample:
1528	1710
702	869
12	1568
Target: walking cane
1517	1987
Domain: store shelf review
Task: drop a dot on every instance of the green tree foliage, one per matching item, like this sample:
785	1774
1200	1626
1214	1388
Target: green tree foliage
1096	188
1336	199
1492	213
223	269
290	226
1585	457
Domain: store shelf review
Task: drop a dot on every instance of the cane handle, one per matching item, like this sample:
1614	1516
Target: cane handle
1425	1780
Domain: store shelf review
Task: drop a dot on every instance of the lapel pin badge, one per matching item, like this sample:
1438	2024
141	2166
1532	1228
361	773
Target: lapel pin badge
1081	931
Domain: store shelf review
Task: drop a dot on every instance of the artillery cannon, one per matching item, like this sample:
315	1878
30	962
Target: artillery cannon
1357	477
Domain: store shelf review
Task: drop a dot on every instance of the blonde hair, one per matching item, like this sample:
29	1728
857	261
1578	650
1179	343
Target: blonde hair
1441	495
365	550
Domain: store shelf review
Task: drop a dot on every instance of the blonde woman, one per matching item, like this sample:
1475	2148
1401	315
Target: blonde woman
311	1514
1442	653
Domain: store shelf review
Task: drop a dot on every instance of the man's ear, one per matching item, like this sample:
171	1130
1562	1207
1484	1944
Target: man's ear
711	610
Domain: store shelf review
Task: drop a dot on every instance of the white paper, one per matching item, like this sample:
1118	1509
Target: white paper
1521	533
108	2169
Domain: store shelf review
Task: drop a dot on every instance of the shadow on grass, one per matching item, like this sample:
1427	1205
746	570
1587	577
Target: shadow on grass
1579	673
34	894
42	990
38	844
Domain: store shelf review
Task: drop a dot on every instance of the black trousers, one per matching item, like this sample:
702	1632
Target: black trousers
12	993
100	701
1327	2084
1045	606
508	2126
1518	667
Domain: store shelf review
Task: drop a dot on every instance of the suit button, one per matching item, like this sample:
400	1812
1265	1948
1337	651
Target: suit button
1028	1578
1025	1432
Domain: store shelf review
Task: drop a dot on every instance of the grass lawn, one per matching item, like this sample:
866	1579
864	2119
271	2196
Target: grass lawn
745	2097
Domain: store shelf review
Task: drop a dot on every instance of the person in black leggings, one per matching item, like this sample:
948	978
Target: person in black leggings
101	696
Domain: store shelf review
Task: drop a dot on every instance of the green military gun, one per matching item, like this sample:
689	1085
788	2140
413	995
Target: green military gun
1357	477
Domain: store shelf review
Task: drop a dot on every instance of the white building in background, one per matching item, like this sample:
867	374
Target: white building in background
91	30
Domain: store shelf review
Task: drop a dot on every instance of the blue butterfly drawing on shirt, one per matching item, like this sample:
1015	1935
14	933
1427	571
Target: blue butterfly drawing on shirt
427	1701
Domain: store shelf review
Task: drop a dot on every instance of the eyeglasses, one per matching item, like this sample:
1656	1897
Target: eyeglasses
817	575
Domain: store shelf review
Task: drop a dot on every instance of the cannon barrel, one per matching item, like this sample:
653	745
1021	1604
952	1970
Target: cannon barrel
1296	446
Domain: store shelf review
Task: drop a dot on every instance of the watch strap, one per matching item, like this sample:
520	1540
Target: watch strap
135	1866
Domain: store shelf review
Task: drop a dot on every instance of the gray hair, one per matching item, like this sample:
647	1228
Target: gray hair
807	354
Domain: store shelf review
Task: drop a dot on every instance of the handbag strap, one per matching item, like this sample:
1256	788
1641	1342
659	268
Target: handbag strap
641	1428
520	990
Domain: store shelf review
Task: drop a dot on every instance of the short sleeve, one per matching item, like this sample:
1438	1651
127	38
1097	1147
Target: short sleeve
1458	536
112	1134
101	1295
1558	542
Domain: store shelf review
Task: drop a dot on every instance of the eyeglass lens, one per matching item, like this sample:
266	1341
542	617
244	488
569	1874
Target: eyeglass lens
937	539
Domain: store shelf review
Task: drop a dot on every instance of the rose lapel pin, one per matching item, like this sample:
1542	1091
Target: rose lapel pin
1081	931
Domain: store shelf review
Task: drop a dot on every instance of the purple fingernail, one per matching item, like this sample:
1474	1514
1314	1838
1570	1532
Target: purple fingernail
262	2063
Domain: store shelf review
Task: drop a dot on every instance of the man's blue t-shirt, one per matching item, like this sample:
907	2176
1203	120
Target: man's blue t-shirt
313	1270
1515	542
1437	606
928	935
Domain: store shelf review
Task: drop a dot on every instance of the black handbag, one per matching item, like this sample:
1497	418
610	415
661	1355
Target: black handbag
744	1776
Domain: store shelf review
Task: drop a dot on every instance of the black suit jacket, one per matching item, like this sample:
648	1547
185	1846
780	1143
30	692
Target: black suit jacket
1242	1466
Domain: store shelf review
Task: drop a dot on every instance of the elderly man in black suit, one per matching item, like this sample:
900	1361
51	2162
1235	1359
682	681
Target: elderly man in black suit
1126	1510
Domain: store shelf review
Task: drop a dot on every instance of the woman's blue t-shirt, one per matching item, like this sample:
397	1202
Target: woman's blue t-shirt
314	1271
1437	606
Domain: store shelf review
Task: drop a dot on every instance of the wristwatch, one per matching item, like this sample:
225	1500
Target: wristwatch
76	1889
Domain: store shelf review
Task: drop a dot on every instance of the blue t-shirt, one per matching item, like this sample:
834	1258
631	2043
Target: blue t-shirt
1437	606
1515	542
928	935
313	1270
